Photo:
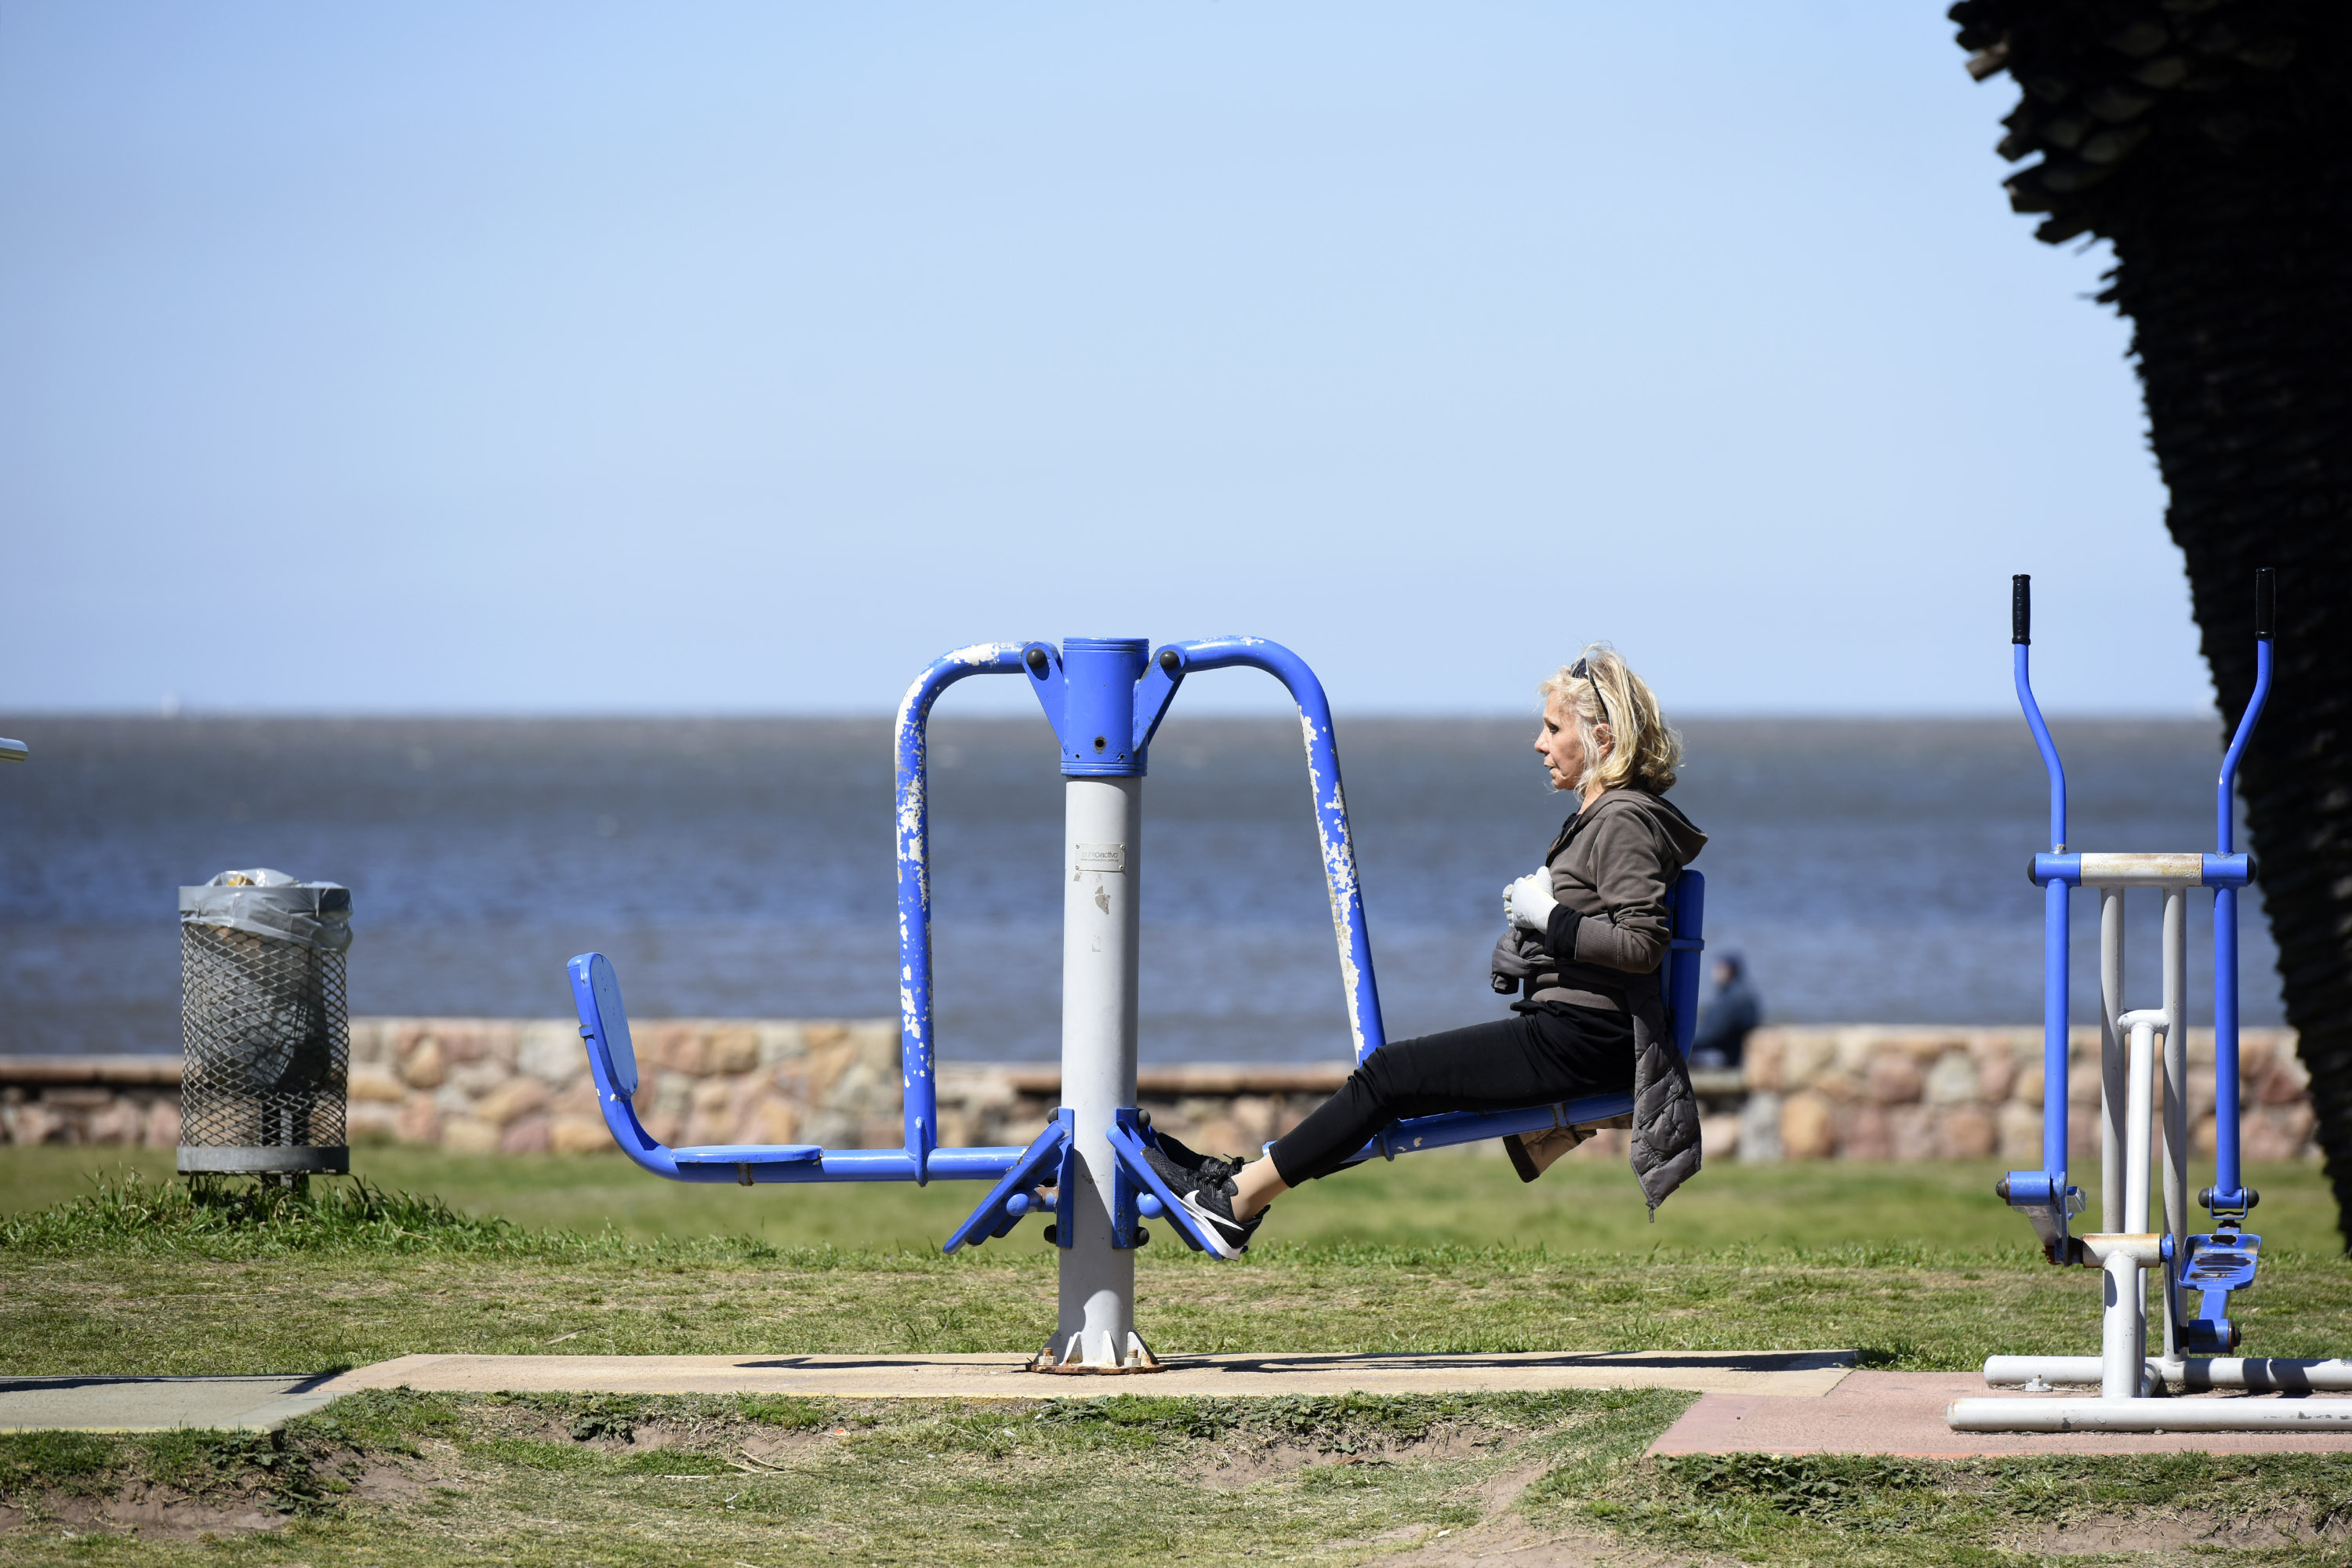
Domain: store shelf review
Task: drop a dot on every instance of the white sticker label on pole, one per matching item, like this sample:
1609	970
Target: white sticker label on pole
1102	856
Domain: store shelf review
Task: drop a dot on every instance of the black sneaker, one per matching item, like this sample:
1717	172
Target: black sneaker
1166	1156
1210	1202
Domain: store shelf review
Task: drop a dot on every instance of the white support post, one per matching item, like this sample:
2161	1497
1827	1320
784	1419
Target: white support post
2175	1087
2111	1060
2139	1113
1096	1329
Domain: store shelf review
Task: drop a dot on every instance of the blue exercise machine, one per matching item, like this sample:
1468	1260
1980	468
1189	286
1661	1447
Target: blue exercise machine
2199	1272
1104	698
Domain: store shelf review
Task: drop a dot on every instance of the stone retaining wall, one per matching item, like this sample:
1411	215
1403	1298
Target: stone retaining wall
1857	1092
1883	1092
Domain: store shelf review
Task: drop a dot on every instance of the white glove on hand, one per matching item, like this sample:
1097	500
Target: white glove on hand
1528	902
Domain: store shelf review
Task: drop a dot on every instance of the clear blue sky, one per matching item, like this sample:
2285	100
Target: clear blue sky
703	357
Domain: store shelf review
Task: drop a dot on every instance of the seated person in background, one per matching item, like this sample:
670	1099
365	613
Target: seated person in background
1724	1022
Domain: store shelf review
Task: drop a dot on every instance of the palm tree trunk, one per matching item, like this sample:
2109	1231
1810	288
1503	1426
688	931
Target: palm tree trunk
2239	290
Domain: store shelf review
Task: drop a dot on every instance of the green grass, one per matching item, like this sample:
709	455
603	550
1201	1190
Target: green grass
1916	1265
1468	1199
435	1480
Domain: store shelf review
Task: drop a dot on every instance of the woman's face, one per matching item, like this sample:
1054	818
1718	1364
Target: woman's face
1560	744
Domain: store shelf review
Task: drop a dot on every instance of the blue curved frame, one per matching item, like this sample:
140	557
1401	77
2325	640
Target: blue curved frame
1090	689
2045	1195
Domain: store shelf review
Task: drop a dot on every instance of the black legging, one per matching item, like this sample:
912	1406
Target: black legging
1540	1057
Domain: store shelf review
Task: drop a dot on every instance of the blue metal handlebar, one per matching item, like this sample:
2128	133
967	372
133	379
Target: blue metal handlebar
1330	805
2054	900
2229	1180
919	1107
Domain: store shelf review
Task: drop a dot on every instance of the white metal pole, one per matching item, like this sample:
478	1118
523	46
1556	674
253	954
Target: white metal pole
2111	1059
2138	1113
1105	818
2121	1361
2262	1373
2176	1086
2031	1415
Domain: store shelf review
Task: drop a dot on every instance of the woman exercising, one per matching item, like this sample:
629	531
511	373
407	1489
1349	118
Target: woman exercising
1583	940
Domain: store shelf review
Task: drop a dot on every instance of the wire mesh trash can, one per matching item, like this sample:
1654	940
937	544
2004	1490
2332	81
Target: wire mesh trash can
262	1021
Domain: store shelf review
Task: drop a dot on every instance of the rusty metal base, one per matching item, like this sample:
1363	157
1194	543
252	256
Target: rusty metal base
1139	1359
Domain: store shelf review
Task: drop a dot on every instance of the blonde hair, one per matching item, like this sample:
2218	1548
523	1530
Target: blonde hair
1598	689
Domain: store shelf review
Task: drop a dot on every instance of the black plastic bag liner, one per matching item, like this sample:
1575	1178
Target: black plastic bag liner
273	904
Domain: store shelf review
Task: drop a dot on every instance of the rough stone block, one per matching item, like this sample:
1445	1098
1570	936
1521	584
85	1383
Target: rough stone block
1808	1051
1760	1129
1839	1087
1967	1132
370	1042
1862	1134
375	1084
2026	1089
1954	1080
672	1097
2020	1135
2276	1133
734	1049
2204	1137
372	1122
465	1040
578	1135
676	1048
1765	1062
423	1065
162	1128
1997	1071
420	1123
550	1052
2287	1083
477	1079
513	1099
781	1040
833	1128
529	1135
1808	1127
501	1041
115	1122
469	1135
1911	1130
1719	1137
1895	1079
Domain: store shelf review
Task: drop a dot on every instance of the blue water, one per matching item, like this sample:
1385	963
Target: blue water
1870	869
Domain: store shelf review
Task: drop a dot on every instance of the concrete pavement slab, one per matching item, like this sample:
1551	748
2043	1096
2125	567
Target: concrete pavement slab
155	1404
1902	1414
1798	1375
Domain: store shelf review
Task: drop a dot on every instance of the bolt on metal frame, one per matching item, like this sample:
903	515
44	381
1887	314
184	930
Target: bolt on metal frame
1104	698
2210	1268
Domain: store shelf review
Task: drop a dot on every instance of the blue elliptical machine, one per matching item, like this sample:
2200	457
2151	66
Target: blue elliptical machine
1104	698
2200	1273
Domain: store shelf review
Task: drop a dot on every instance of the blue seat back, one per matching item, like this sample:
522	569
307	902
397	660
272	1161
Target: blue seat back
1685	956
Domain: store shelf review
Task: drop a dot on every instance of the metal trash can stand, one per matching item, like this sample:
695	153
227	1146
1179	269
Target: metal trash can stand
263	1025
